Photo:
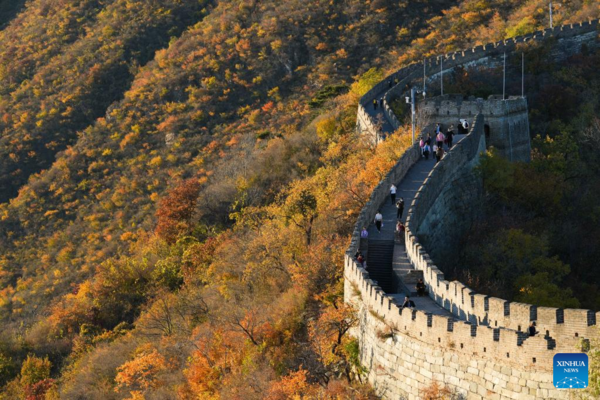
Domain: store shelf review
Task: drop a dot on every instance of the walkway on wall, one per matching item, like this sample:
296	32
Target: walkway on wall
400	265
378	115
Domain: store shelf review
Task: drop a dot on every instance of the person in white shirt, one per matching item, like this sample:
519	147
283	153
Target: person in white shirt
393	193
378	221
364	233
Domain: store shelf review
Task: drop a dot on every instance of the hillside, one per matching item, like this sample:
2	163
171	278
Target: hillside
179	180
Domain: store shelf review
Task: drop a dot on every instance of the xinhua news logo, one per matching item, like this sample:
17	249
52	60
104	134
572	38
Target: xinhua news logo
570	371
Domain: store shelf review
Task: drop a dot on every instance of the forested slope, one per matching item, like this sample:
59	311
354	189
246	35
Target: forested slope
179	180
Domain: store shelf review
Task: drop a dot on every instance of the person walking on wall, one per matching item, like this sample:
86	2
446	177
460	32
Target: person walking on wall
420	286
400	207
462	126
426	151
374	104
428	140
408	303
532	330
450	137
400	230
393	193
364	234
439	154
381	103
421	145
465	125
378	221
440	138
437	128
361	260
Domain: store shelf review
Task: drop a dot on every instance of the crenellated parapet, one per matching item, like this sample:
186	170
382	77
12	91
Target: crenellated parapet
555	323
569	40
506	121
481	350
406	349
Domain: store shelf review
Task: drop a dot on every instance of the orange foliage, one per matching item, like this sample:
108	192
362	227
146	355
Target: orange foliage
141	373
175	211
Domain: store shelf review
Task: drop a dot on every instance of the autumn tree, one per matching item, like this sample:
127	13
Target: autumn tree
141	373
176	211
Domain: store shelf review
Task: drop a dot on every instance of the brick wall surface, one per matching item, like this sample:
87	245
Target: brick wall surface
481	352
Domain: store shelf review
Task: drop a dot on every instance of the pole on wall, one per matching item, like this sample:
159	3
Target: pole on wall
442	73
412	109
523	75
551	23
504	79
424	77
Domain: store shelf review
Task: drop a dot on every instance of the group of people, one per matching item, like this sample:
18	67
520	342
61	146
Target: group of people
427	145
377	103
420	286
436	149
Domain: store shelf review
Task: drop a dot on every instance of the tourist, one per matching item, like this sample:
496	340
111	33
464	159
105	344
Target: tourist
375	104
439	153
400	230
400	227
408	303
461	126
393	193
532	330
378	221
450	137
364	233
437	128
426	151
400	207
361	260
420	288
421	145
440	138
390	84
428	140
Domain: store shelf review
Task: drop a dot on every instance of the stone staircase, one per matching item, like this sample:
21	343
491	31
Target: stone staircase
406	275
379	261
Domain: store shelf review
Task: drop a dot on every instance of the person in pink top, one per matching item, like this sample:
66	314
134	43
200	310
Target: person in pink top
440	138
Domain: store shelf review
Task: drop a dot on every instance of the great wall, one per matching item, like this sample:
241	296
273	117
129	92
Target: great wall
471	343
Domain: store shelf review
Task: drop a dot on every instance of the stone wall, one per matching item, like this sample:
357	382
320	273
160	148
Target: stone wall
507	120
569	40
454	198
428	218
475	364
406	350
381	193
481	352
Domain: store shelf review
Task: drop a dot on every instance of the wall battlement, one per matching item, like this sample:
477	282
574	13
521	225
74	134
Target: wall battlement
482	351
569	41
506	121
559	324
476	359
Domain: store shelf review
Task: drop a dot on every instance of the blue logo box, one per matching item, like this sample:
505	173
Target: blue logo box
571	370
